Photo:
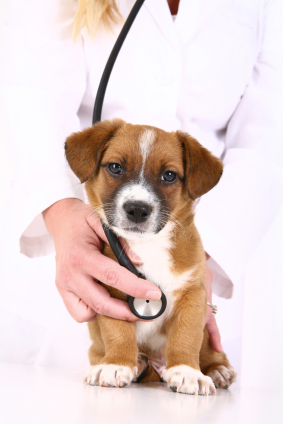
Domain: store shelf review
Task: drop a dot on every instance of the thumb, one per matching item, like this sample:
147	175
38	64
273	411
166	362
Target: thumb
95	223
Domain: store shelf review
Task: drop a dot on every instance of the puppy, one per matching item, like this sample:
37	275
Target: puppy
142	182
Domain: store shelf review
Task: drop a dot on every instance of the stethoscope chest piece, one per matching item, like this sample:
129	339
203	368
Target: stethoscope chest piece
144	309
147	309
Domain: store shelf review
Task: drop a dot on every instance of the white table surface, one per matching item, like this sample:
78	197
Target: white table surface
55	395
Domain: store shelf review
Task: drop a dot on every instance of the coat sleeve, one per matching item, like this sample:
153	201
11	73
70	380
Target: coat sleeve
234	217
43	82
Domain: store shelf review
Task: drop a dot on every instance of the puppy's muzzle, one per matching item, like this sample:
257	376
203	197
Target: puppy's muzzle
137	212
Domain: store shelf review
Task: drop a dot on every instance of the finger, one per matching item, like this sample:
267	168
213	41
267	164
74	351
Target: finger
131	255
98	300
95	223
208	314
112	274
214	334
77	308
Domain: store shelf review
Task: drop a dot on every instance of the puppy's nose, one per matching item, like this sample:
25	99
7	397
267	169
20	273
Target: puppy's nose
137	211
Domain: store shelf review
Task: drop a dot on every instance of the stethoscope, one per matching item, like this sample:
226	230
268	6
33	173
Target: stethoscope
141	308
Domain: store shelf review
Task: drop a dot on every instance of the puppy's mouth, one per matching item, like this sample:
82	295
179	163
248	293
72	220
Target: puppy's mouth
135	227
134	230
129	230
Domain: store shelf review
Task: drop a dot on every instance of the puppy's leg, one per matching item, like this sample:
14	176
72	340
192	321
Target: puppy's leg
184	330
118	366
216	365
97	350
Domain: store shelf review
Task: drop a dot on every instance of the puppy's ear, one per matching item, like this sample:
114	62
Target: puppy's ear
84	149
202	169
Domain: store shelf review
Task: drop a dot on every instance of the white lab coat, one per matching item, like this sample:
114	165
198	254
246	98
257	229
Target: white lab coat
215	72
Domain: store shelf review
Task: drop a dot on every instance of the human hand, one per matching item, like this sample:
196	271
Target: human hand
210	321
78	238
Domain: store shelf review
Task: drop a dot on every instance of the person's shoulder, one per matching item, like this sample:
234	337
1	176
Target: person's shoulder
46	18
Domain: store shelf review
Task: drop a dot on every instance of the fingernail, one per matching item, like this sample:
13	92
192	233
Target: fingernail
134	258
153	295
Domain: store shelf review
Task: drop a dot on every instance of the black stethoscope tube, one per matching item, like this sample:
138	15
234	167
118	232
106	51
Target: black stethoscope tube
119	251
124	261
111	236
111	60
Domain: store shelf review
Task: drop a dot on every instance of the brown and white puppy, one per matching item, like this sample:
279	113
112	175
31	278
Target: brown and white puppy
142	182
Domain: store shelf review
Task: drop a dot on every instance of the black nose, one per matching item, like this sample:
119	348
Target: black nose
137	211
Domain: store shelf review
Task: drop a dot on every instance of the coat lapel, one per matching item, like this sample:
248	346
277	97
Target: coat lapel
191	16
160	12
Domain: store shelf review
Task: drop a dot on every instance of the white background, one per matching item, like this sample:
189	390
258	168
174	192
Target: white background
261	349
5	167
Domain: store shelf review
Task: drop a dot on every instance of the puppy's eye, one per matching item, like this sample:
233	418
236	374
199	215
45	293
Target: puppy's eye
169	177
115	168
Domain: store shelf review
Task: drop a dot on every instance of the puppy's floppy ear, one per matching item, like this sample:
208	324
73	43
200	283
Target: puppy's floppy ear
202	169
84	149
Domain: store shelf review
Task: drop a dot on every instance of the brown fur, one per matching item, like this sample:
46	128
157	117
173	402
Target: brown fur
88	153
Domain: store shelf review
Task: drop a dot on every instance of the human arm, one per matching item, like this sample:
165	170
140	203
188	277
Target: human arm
78	238
210	321
44	80
237	213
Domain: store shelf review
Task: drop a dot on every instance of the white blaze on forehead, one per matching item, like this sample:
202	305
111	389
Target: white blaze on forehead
146	140
139	191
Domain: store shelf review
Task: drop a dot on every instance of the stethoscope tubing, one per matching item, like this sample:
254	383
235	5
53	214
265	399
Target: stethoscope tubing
119	251
111	236
111	60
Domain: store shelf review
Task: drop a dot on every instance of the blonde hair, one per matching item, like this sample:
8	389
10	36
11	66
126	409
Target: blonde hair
92	13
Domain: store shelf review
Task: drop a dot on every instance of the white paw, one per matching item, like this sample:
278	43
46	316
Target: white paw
184	379
223	377
110	375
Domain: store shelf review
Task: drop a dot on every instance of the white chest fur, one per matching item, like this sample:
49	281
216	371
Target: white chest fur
157	268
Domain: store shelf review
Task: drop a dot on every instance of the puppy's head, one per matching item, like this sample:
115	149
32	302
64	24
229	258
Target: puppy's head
138	177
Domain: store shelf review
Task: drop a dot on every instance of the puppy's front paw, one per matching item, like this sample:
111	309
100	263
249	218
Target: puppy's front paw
223	377
184	379
109	375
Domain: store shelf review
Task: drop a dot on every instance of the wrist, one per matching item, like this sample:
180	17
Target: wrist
57	212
